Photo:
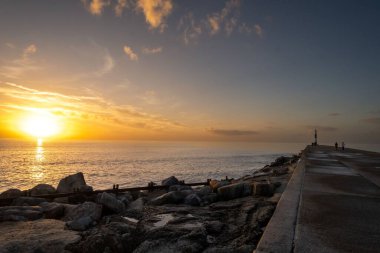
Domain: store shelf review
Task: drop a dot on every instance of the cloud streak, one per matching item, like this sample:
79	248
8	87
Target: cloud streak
373	120
322	128
130	53
155	12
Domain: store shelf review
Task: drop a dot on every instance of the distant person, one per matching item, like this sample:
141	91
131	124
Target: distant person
342	145
336	145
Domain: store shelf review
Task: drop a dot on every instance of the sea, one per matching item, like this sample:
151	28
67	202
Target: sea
24	164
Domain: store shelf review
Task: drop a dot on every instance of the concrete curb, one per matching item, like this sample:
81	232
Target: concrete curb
279	234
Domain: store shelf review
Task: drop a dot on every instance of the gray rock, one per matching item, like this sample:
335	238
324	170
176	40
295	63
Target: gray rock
80	224
90	209
47	236
263	188
179	187
11	193
27	201
175	197
110	202
125	197
73	183
210	198
233	191
214	227
205	190
20	213
52	210
170	181
42	189
138	204
193	200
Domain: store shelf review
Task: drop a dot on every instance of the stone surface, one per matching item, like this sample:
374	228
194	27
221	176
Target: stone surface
233	191
215	184
203	191
44	236
110	202
90	209
192	200
11	193
174	197
42	189
210	198
80	224
72	183
170	181
52	210
263	188
20	213
27	201
179	187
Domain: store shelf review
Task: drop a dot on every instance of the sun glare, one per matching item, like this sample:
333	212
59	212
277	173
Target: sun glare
40	125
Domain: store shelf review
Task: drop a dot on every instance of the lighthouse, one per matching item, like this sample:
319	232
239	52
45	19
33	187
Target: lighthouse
315	137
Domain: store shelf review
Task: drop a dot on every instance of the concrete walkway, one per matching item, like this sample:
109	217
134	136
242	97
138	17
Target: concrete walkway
336	205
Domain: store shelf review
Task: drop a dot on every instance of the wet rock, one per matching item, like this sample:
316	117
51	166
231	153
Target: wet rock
80	224
170	181
110	202
280	161
280	171
52	210
73	183
11	193
169	198
263	188
45	235
180	188
42	189
20	213
234	191
192	200
89	209
27	201
215	184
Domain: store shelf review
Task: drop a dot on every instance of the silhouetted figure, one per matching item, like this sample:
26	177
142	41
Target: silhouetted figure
336	145
342	145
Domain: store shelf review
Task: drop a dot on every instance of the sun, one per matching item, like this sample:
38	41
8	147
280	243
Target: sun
40	125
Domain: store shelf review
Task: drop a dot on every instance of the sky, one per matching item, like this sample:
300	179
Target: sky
212	70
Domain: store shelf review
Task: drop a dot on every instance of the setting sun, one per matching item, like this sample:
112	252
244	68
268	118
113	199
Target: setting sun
40	125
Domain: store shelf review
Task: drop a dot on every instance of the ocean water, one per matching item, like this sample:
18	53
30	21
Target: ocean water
26	164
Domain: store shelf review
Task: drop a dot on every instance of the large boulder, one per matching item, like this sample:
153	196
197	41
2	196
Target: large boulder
192	200
203	191
215	184
234	191
80	224
11	193
27	201
178	187
210	198
170	181
91	209
110	202
73	183
174	197
52	210
45	235
20	213
42	189
263	188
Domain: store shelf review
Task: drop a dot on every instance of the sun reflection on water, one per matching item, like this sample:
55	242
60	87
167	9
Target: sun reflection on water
37	172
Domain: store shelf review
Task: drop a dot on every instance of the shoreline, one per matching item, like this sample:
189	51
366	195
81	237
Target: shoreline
227	215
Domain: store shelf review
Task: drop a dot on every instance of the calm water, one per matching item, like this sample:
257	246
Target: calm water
25	164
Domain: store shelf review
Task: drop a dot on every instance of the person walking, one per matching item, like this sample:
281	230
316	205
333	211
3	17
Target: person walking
336	145
342	145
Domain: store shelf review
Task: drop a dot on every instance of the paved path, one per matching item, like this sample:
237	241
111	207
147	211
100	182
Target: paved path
337	208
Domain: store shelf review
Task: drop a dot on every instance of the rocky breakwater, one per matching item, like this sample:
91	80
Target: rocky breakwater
225	216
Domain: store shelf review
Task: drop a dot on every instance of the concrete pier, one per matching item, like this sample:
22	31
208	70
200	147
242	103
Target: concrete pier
331	204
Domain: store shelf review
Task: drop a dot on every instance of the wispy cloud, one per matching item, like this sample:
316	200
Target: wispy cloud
155	50
227	17
232	132
373	120
108	65
258	30
96	7
130	53
192	30
120	6
149	97
334	114
155	12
